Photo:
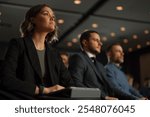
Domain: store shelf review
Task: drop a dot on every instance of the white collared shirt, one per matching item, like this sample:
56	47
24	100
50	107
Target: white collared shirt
90	55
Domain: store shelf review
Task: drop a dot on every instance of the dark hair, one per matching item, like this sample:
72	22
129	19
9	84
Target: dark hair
111	46
27	27
64	53
86	35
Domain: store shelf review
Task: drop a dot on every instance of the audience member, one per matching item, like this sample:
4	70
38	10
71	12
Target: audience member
145	89
117	79
32	66
86	71
65	58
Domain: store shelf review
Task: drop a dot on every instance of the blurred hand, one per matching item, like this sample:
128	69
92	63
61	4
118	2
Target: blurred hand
110	98
52	89
143	98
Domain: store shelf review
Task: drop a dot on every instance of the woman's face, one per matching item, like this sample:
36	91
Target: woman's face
45	20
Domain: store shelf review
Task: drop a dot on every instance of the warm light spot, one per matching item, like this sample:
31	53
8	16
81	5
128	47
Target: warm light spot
60	21
135	36
130	49
146	31
74	40
69	44
104	38
148	43
138	46
112	34
77	2
125	41
119	8
122	29
94	25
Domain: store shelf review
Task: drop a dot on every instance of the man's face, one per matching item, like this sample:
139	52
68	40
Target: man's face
116	54
94	44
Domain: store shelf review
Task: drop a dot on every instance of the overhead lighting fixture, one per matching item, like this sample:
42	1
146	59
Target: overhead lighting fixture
74	40
148	43
125	41
135	36
122	29
94	25
112	34
146	32
130	49
77	2
60	21
104	38
69	44
119	8
138	46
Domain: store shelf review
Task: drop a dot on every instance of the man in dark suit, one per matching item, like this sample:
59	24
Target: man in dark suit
86	71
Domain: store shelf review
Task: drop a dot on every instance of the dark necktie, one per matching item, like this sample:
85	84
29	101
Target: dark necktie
93	60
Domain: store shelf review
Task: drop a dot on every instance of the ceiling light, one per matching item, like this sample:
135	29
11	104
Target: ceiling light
148	43
135	36
146	31
138	46
0	13
119	8
125	41
122	29
104	38
60	21
69	44
130	49
94	25
74	40
112	34
77	2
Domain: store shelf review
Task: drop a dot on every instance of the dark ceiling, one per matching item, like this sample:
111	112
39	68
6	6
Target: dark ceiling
130	26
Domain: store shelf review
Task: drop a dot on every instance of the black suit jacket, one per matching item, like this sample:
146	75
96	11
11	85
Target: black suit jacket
22	70
85	74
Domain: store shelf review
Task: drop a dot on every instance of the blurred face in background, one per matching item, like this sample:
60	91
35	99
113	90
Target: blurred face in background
116	54
65	59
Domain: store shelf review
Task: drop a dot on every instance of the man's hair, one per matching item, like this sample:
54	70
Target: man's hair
86	35
111	46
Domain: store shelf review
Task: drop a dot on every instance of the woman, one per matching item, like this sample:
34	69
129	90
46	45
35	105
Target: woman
32	66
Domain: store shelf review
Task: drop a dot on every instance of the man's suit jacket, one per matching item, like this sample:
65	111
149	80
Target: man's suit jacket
119	84
22	70
85	74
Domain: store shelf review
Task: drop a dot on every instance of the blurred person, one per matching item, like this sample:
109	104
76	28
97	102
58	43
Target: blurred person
118	79
145	89
65	58
85	70
32	66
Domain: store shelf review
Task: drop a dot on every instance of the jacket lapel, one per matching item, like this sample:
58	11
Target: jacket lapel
33	57
92	65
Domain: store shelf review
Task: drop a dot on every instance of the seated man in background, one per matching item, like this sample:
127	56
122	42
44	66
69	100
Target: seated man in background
85	70
65	58
117	79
